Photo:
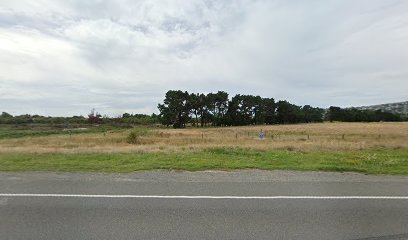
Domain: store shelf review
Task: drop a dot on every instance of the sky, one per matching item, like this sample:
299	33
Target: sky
63	58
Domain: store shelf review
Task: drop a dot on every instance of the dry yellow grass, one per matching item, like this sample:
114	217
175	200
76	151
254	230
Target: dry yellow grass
301	137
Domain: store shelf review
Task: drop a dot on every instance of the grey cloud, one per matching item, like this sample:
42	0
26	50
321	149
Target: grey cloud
124	55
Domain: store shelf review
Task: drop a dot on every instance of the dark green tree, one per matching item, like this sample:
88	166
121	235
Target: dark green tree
269	109
6	115
176	108
288	113
312	114
217	105
240	111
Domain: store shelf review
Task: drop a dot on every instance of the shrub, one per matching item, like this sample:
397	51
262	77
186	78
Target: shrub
133	138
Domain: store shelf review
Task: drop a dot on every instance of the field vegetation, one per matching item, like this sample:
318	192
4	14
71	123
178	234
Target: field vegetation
363	147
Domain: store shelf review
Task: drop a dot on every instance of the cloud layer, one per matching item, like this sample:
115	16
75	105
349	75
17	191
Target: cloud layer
66	57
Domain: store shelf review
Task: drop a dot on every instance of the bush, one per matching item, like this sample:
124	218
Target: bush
134	137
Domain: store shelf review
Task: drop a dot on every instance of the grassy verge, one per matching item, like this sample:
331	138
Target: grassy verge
367	161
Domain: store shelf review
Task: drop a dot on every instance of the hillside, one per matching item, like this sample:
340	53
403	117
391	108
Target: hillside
399	107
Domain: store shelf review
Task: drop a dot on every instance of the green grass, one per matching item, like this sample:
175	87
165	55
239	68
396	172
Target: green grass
38	131
368	161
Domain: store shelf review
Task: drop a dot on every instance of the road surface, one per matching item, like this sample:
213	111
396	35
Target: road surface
203	205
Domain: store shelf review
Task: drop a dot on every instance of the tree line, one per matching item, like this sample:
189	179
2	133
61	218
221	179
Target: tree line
93	117
216	109
180	108
356	115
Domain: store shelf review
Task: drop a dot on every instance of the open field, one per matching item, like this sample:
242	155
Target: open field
362	147
300	137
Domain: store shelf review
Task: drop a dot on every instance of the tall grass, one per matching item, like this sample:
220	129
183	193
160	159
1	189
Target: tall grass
324	137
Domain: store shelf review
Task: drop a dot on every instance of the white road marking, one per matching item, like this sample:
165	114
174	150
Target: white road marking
195	197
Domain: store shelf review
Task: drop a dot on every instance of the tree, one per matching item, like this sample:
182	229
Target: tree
269	110
335	114
181	107
166	117
199	108
176	108
357	115
203	109
6	115
217	105
258	110
289	113
312	114
94	117
240	110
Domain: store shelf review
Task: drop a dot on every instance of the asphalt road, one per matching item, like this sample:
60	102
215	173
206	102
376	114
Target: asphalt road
85	217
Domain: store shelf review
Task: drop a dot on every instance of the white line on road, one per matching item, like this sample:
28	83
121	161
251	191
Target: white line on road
195	197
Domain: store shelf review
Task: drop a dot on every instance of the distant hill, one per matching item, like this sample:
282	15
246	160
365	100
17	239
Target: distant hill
399	107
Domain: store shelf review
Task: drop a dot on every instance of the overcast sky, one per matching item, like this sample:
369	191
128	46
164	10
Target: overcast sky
66	57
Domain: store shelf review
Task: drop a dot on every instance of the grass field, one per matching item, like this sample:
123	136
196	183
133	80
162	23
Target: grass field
377	148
